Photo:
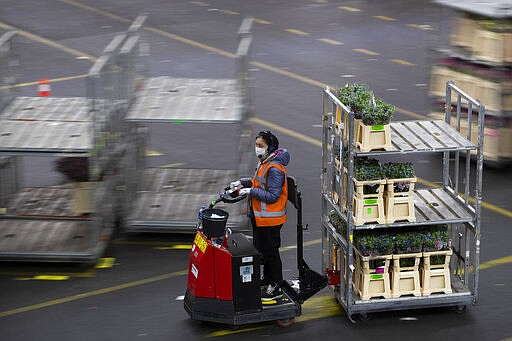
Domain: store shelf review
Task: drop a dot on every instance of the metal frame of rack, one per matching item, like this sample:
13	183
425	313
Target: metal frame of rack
451	203
167	199
39	224
458	52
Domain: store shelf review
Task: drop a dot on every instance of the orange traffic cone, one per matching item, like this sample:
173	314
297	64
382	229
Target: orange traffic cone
44	87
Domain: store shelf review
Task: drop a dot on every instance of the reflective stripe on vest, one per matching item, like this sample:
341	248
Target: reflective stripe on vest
269	214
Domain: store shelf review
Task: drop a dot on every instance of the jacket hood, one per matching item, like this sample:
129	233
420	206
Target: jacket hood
282	156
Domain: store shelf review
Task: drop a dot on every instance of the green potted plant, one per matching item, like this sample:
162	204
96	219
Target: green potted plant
369	172
356	97
377	112
393	171
338	223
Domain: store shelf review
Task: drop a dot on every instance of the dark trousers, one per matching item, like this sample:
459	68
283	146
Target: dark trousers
267	241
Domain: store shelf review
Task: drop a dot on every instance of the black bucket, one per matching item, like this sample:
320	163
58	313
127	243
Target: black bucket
214	222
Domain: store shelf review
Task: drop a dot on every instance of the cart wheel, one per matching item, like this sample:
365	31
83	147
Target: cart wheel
286	322
364	316
460	309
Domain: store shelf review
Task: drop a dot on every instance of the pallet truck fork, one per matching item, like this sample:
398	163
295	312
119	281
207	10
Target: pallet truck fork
224	272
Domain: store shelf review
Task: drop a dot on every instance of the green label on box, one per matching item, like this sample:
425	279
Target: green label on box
378	127
369	211
376	276
370	201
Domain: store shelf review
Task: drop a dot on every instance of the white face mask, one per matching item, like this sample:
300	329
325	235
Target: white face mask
260	152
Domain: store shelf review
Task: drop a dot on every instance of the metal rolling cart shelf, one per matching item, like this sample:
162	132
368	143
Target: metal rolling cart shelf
45	223
450	203
168	198
473	47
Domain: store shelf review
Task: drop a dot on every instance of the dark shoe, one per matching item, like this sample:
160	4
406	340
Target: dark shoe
273	292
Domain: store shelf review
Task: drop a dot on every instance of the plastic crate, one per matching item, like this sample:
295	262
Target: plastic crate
405	279
435	278
376	137
371	281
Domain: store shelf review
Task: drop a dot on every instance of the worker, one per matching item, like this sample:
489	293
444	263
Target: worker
268	194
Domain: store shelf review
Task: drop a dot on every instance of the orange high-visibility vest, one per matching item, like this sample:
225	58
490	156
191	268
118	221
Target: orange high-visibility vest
269	214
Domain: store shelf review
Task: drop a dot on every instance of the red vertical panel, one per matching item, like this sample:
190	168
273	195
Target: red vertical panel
223	274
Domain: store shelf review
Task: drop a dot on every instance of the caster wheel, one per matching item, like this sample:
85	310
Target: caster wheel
460	309
286	322
364	316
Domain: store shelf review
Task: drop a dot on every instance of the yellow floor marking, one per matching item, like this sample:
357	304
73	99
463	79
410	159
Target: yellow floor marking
421	27
297	32
314	308
105	263
288	132
486	205
172	165
103	291
383	17
150	152
495	262
350	9
262	22
44	278
330	41
199	3
402	62
368	52
174	247
96	10
48	42
53	80
51	277
229	12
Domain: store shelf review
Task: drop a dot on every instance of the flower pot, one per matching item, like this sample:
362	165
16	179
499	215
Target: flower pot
405	275
371	276
375	137
435	278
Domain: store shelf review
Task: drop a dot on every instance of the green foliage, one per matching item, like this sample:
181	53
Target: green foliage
436	238
372	110
432	238
398	170
367	169
378	112
356	97
337	221
374	244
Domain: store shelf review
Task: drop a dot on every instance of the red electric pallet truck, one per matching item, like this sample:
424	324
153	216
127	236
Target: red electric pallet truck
224	272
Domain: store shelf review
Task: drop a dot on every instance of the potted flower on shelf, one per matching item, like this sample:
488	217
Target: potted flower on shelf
436	239
356	97
374	132
400	180
76	170
435	268
368	177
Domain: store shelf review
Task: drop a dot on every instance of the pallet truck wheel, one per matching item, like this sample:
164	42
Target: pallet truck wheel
286	322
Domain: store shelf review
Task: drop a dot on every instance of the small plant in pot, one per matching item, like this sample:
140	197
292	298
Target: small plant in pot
368	169
436	239
398	170
374	244
75	169
356	97
338	223
377	112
